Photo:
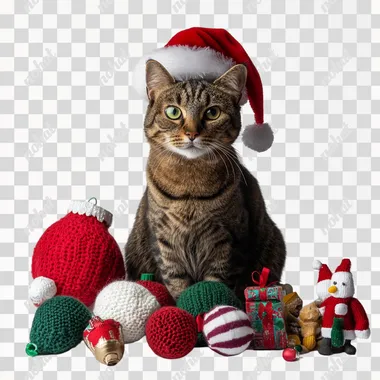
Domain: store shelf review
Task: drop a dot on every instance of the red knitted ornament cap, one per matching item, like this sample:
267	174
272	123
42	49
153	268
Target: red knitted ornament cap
207	53
76	256
159	291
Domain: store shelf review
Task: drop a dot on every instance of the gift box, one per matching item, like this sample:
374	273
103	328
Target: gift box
265	309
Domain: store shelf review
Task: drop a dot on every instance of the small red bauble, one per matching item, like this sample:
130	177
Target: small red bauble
290	354
171	332
160	291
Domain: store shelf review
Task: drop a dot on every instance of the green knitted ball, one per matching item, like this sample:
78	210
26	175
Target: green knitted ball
203	296
58	326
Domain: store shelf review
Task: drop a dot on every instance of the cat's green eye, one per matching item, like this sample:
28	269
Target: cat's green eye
173	113
212	113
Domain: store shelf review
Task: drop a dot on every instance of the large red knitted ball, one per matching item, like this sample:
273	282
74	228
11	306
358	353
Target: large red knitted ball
80	255
160	291
171	332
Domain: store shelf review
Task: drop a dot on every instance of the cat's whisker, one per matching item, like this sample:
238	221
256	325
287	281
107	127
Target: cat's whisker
234	158
220	152
218	148
228	173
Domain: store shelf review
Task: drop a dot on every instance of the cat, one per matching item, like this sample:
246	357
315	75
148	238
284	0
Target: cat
202	216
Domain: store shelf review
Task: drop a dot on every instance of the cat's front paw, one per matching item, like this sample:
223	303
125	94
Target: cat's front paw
212	278
176	286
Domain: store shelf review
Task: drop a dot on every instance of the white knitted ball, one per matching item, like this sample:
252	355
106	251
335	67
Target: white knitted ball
128	303
41	289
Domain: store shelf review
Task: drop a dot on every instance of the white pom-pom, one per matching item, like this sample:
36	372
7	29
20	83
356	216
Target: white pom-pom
317	265
41	289
258	137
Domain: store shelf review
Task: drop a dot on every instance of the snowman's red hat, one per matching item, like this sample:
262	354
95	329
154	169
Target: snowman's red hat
324	271
344	266
207	53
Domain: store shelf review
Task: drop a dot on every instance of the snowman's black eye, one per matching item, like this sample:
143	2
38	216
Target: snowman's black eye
334	282
343	283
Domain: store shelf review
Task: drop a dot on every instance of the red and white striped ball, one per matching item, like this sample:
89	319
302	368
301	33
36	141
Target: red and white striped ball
227	330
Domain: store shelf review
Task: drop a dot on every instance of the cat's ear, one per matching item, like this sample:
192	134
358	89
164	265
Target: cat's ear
233	81
157	78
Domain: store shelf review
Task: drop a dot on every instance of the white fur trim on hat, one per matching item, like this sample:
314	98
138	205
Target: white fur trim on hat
258	137
184	63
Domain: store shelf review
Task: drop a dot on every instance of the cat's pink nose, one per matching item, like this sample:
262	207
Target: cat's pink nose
192	135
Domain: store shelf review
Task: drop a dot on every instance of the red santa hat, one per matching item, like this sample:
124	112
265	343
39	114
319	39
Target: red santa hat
324	279
344	266
207	53
324	271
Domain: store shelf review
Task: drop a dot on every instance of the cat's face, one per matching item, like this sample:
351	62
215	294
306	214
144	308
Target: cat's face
193	118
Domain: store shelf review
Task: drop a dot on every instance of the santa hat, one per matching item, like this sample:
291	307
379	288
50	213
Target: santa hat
345	266
343	275
207	53
324	271
324	279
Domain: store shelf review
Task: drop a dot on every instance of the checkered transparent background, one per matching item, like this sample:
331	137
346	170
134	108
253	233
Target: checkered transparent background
73	131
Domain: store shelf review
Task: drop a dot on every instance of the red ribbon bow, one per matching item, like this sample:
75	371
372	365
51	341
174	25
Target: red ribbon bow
263	278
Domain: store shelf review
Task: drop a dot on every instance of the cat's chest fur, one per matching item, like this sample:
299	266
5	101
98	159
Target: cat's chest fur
192	228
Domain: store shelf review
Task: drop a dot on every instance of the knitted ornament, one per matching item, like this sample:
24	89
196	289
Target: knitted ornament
42	289
76	256
128	303
171	333
203	296
207	53
227	330
344	317
160	291
324	280
57	326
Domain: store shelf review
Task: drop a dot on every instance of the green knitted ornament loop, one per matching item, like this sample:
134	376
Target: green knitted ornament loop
31	349
147	277
337	334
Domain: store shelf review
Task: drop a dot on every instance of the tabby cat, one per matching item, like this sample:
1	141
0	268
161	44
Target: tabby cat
202	216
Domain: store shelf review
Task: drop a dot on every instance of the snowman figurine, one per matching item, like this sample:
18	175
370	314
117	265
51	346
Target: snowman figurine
344	317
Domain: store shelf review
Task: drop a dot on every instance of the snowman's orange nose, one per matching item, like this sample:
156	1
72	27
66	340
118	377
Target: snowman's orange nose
332	289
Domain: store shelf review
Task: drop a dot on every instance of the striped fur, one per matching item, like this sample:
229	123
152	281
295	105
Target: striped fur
202	216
